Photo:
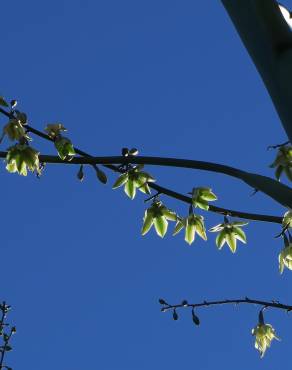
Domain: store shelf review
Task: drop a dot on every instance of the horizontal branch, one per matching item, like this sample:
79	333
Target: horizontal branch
246	300
158	188
109	162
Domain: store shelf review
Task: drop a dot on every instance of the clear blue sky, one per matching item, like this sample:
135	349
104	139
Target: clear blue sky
173	79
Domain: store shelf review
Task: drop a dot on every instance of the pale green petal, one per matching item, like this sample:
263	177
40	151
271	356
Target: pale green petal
201	204
209	196
239	223
178	227
190	233
169	215
239	234
121	180
200	228
11	167
146	177
145	189
287	219
130	189
221	239
216	228
161	225
148	221
231	241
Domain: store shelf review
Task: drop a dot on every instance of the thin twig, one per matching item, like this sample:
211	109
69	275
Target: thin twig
246	300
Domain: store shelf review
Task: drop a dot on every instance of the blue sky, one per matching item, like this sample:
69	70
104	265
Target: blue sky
172	79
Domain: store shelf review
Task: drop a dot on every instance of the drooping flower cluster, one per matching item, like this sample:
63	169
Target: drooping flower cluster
285	258
63	145
201	196
264	334
229	232
193	224
283	162
134	179
21	158
157	215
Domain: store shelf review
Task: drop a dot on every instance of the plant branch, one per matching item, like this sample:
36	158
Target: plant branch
246	300
5	337
3	315
173	194
109	162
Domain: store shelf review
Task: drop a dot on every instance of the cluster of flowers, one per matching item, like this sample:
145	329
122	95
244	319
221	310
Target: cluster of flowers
22	157
158	214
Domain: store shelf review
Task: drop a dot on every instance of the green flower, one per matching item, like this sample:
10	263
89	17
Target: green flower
285	258
283	162
287	220
157	215
264	334
201	196
21	158
64	148
134	179
14	130
63	145
229	232
54	129
193	224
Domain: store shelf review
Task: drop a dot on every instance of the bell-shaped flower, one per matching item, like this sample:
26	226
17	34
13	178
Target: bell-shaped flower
285	258
201	196
283	162
134	179
229	233
193	224
14	130
157	215
264	334
64	148
54	129
21	158
287	220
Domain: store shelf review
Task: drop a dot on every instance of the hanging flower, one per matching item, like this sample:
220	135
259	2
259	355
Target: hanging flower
229	233
193	224
157	215
201	196
134	179
21	158
283	162
264	334
285	258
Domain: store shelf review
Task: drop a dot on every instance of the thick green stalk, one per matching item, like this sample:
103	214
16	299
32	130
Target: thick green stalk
268	40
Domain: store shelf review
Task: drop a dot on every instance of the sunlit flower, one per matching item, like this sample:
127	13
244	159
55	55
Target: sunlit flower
285	258
264	334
